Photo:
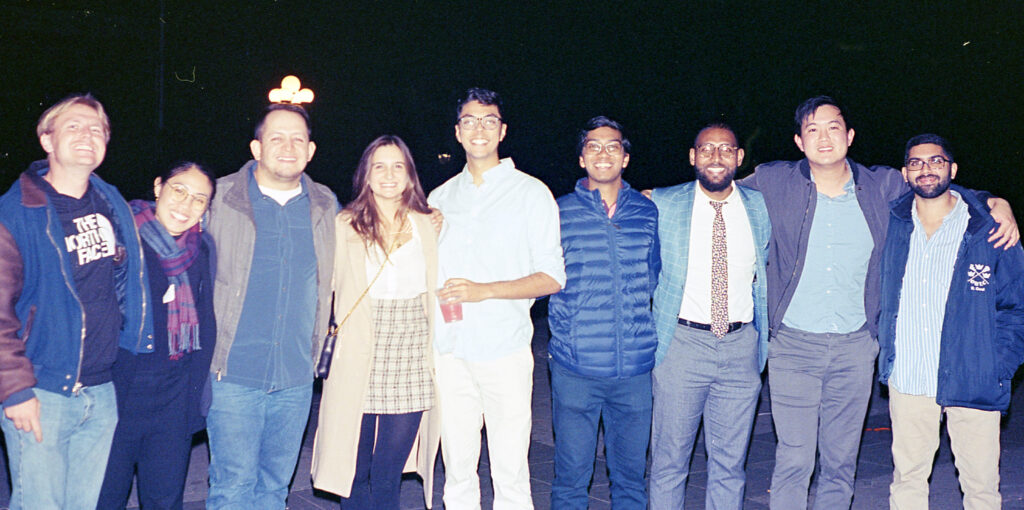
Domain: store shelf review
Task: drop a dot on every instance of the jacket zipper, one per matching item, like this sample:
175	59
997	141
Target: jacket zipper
614	253
81	309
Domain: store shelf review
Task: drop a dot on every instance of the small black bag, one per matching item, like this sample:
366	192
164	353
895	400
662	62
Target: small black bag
323	367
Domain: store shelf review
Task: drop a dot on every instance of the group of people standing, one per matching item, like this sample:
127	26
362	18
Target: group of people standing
670	314
126	327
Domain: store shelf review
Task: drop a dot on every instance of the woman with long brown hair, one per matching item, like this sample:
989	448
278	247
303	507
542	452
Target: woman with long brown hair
376	411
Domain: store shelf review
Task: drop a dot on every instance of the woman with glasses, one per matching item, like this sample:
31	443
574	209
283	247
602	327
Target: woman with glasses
375	414
162	392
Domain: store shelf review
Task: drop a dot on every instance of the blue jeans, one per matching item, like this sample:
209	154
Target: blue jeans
255	439
719	380
65	471
624	405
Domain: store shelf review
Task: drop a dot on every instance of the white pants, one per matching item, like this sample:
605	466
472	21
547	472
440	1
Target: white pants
497	393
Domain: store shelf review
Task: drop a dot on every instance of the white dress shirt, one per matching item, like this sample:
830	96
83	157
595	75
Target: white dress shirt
404	275
696	304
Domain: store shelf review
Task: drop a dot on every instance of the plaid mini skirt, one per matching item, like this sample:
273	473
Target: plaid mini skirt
400	380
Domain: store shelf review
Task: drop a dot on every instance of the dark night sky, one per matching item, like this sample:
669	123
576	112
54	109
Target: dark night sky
662	69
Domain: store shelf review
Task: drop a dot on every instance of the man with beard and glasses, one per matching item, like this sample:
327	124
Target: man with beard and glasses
951	330
711	315
829	219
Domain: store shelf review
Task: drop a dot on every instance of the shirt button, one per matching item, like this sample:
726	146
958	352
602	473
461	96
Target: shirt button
150	346
828	269
65	388
67	376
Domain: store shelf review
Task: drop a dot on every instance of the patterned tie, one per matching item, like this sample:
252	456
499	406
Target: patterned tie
719	275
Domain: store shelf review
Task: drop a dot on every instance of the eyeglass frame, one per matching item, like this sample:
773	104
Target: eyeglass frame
921	163
604	147
716	149
479	121
192	198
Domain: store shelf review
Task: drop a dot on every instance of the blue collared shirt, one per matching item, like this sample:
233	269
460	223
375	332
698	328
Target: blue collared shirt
830	295
505	229
923	296
271	346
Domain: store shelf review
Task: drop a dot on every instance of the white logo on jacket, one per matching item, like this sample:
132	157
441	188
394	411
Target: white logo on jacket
978	275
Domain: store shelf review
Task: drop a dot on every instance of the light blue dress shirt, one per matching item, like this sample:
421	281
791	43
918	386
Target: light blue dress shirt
929	273
505	229
830	295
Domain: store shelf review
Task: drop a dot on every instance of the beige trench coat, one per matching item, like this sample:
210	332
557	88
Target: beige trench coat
341	406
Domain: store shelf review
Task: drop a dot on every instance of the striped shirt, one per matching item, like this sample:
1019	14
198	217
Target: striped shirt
926	283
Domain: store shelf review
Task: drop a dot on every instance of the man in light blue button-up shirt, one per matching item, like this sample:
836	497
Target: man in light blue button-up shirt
498	251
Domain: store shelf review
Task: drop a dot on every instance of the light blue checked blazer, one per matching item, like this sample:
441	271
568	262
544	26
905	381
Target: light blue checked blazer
675	209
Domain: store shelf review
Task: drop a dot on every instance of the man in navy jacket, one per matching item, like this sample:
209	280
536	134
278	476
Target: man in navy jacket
951	330
602	334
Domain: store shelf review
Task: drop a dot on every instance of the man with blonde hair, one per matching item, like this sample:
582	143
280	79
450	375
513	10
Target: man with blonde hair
72	291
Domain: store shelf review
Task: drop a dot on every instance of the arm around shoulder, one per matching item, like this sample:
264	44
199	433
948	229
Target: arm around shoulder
1009	325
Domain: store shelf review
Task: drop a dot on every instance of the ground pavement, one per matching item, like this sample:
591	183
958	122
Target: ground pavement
874	472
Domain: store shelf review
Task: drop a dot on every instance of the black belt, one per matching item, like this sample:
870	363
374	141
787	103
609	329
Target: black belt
733	326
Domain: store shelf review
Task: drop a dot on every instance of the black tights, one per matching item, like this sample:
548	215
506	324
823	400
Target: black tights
378	479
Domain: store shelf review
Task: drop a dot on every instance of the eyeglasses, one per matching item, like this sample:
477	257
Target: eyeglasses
180	193
724	150
934	163
613	148
489	122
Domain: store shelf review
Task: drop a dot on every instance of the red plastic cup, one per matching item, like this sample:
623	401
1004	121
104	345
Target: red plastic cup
452	312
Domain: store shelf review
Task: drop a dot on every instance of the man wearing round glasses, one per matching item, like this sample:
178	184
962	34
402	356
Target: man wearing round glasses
498	251
951	332
602	331
711	312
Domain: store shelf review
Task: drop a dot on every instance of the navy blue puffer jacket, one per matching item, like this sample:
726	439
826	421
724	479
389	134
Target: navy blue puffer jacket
601	322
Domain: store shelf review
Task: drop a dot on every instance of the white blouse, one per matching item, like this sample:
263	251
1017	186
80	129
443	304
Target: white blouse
404	274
